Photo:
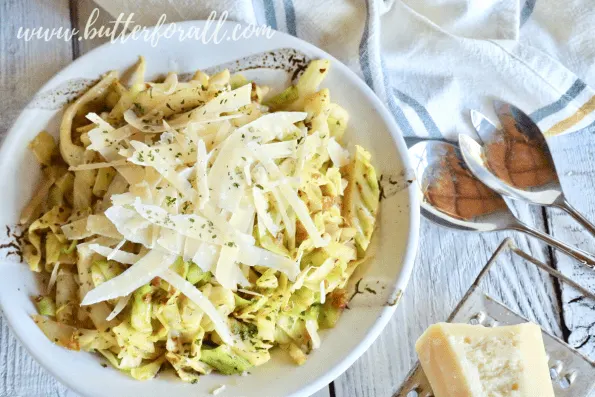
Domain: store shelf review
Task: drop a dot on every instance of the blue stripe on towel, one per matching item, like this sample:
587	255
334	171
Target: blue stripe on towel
527	11
422	113
400	118
364	54
290	17
269	13
561	103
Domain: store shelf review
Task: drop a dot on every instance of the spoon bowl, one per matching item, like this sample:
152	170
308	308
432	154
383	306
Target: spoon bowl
535	155
542	194
430	159
475	157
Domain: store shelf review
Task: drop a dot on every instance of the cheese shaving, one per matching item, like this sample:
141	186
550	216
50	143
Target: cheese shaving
140	273
115	254
121	305
292	198
201	301
202	182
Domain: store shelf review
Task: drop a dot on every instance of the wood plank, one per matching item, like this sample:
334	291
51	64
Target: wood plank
574	155
448	262
26	66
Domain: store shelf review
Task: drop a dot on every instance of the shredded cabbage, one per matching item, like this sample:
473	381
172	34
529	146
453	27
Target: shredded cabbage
198	211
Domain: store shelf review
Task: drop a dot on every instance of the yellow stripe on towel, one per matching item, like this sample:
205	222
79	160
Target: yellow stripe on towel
567	123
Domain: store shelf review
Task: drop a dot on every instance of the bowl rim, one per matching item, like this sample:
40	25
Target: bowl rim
409	255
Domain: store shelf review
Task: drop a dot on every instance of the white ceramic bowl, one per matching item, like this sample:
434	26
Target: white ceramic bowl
387	272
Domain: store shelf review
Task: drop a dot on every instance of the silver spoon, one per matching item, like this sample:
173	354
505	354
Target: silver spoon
429	165
549	194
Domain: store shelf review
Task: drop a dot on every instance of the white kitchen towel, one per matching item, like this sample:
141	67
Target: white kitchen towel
431	61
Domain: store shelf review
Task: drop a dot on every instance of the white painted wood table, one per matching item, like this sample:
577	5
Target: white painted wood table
447	263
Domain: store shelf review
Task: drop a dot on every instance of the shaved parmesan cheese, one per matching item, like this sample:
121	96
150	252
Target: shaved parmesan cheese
192	293
270	126
256	256
180	138
243	220
227	187
106	140
279	150
227	267
338	155
101	123
121	305
322	292
312	328
248	174
302	213
221	224
191	247
123	199
141	125
206	257
170	241
320	272
261	205
289	224
142	191
292	198
302	154
130	224
301	278
116	250
102	138
117	255
344	184
53	276
220	135
202	183
187	172
173	153
140	273
99	224
225	271
166	138
224	102
149	157
192	225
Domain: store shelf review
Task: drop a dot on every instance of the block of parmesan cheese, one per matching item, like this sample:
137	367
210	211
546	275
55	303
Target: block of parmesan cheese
462	360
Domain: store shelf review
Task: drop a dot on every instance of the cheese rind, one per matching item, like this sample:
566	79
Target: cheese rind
470	361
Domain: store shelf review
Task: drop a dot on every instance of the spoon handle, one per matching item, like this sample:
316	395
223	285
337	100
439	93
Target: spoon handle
580	255
565	205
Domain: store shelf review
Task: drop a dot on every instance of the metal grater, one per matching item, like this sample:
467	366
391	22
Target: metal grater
572	374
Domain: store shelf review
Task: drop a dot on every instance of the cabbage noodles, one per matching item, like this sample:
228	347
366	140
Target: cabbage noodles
198	224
